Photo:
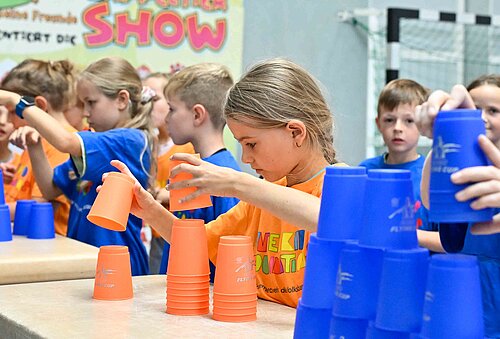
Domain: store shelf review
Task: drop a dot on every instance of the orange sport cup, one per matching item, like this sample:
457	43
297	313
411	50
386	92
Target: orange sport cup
188	250
113	278
111	207
175	195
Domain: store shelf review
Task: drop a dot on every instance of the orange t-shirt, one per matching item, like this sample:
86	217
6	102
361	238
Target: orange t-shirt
23	185
279	247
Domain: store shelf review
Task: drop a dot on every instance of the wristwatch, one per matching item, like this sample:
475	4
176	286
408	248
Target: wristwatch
26	101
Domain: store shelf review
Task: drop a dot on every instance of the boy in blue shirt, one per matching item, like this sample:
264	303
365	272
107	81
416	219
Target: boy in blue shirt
196	96
396	122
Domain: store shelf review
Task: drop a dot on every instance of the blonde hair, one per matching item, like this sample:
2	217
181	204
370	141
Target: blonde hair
487	79
205	84
276	91
111	75
54	80
400	92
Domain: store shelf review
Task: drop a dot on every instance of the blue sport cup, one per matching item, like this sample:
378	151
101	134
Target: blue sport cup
358	280
42	221
453	306
5	227
320	273
347	328
454	147
22	216
373	332
341	211
389	208
2	193
312	322
402	288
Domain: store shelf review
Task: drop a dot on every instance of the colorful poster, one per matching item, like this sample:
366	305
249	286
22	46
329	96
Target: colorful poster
153	34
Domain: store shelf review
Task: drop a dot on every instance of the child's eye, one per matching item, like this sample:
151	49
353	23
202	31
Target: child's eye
251	145
410	121
388	120
492	110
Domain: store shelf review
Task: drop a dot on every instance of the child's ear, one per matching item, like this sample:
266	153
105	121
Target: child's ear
123	99
42	103
298	131
377	121
200	114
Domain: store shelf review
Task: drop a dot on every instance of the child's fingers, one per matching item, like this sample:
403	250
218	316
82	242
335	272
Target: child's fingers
485	228
491	151
122	167
191	158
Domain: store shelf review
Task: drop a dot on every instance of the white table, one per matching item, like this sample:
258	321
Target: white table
65	309
32	260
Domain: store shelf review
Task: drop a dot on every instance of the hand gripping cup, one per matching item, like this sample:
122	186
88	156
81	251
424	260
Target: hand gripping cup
340	216
111	208
5	227
22	216
41	225
175	195
113	278
453	306
454	147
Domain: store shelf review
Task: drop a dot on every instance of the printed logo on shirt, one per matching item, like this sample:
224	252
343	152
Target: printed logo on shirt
84	186
279	253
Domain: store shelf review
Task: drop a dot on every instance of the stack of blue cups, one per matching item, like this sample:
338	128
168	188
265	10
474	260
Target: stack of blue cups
388	224
339	222
455	146
5	226
453	306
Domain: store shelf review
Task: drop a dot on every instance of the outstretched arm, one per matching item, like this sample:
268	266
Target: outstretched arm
64	141
291	205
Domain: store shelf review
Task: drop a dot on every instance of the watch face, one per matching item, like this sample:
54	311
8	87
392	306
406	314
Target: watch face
28	101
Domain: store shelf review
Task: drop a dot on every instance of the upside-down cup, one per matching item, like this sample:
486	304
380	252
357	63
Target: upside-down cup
22	216
113	279
200	201
5	228
111	207
235	272
41	225
188	250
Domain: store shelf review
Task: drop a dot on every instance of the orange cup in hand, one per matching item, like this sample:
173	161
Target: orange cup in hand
113	279
111	208
235	272
175	195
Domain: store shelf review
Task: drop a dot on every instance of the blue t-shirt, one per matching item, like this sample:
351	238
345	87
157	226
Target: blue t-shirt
487	250
98	148
415	167
220	205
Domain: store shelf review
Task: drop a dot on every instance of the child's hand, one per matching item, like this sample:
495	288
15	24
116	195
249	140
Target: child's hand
143	201
439	100
25	136
484	180
8	171
208	178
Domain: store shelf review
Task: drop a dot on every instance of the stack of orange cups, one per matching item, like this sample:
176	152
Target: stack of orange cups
235	291
188	271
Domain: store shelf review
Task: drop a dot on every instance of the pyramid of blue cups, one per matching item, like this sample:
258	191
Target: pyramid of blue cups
366	276
32	219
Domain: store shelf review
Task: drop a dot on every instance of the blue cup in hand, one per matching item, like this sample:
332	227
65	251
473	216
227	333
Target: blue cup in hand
341	211
42	221
455	146
389	211
453	306
22	216
5	227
